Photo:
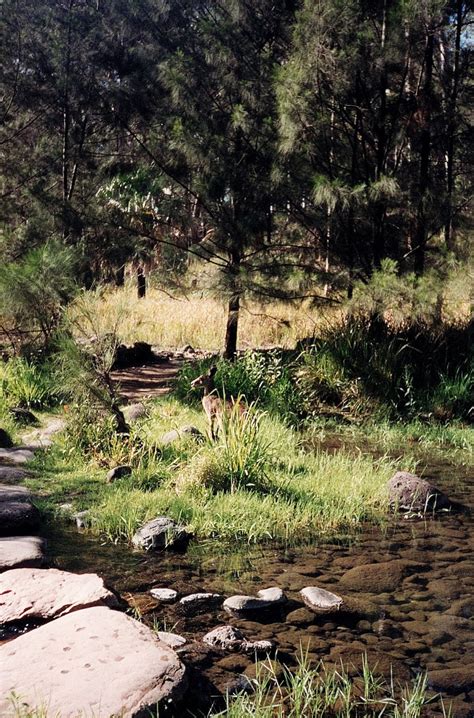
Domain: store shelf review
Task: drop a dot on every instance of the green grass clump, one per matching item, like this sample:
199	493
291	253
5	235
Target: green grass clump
27	384
312	692
254	484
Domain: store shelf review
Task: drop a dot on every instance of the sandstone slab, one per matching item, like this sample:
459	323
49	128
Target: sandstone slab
93	662
16	456
17	513
21	552
49	593
12	474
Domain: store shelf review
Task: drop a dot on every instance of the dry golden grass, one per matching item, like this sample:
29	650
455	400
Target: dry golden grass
198	320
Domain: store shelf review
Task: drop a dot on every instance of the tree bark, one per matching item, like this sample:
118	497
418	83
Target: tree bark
233	312
141	282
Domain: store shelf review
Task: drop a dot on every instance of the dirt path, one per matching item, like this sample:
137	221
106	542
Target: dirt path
142	382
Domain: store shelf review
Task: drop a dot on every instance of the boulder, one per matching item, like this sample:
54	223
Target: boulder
378	577
17	513
164	595
16	456
161	533
200	602
21	552
118	472
5	440
138	354
48	593
407	492
23	416
321	601
453	680
266	598
93	662
176	434
134	412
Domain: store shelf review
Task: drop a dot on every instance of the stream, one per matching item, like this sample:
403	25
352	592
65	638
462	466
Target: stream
420	601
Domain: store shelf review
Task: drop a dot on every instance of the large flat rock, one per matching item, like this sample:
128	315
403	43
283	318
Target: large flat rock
49	593
379	577
21	552
93	662
12	474
17	456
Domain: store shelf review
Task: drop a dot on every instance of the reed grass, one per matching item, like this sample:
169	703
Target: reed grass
197	319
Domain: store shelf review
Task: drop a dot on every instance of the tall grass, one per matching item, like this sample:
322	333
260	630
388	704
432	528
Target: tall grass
312	692
27	384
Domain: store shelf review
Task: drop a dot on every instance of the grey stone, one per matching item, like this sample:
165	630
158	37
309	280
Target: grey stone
21	552
93	662
407	492
164	595
17	513
161	533
175	434
16	456
266	598
48	593
321	601
225	637
134	412
12	474
118	472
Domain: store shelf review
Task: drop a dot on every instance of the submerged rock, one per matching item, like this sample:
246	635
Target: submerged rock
452	680
321	601
21	551
48	593
161	533
379	577
92	662
407	492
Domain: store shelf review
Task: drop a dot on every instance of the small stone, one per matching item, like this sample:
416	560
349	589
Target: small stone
161	533
320	600
134	412
176	434
118	472
164	595
263	646
173	640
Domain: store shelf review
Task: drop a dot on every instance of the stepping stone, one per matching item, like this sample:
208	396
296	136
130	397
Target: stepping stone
93	662
21	552
266	598
48	593
16	457
17	513
321	601
11	474
229	638
164	595
41	438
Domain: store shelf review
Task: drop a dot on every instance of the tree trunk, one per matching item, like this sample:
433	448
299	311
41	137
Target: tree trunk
451	129
141	282
233	311
120	276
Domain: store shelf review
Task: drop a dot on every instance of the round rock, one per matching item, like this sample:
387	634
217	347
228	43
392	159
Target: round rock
164	595
92	662
407	492
200	601
321	601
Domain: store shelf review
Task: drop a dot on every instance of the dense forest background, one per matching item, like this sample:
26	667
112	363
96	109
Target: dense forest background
298	147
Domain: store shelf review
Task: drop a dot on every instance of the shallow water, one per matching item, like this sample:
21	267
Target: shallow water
414	617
